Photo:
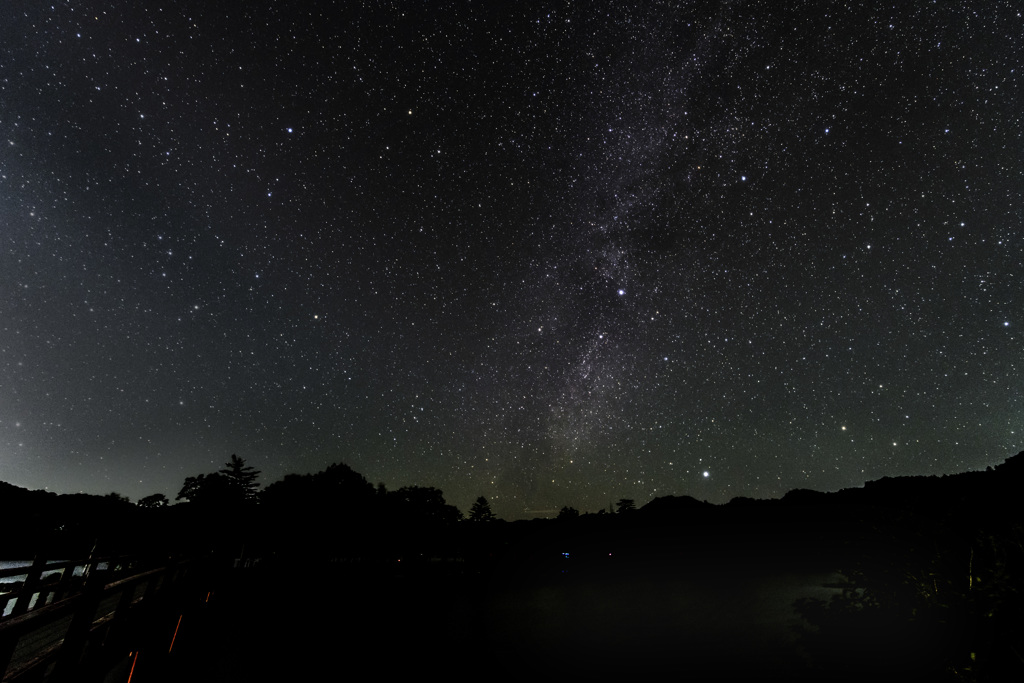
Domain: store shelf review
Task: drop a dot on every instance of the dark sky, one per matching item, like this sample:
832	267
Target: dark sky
553	253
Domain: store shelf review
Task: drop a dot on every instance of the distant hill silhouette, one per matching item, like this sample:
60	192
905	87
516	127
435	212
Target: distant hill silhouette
994	488
673	505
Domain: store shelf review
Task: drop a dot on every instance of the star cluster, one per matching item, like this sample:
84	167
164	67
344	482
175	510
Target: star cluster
551	253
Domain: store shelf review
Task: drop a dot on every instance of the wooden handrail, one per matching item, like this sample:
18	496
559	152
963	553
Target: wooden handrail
135	578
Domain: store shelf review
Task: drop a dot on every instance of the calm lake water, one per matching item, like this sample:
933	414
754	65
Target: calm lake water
661	623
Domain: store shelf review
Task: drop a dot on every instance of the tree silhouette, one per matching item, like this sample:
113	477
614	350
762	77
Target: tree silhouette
481	511
625	505
340	480
241	477
337	495
190	488
157	500
209	489
423	504
328	513
338	490
568	512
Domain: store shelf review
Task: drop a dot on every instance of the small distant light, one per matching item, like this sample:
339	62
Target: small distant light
706	474
289	130
1006	323
622	292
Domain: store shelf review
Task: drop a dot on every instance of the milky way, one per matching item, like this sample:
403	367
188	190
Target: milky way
552	253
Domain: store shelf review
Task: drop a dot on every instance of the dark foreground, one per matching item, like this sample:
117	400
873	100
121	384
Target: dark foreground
647	621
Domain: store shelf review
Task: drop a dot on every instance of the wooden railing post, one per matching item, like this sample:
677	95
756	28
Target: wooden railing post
31	584
77	636
7	647
64	585
119	624
4	599
90	562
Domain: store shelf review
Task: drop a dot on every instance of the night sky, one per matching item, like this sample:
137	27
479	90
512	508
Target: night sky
552	253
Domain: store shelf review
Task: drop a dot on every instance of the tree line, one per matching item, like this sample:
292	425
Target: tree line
236	483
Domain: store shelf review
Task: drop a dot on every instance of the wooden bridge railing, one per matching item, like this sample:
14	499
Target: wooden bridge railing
64	627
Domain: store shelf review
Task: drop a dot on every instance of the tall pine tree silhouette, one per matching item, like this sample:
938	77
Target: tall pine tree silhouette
481	511
242	477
